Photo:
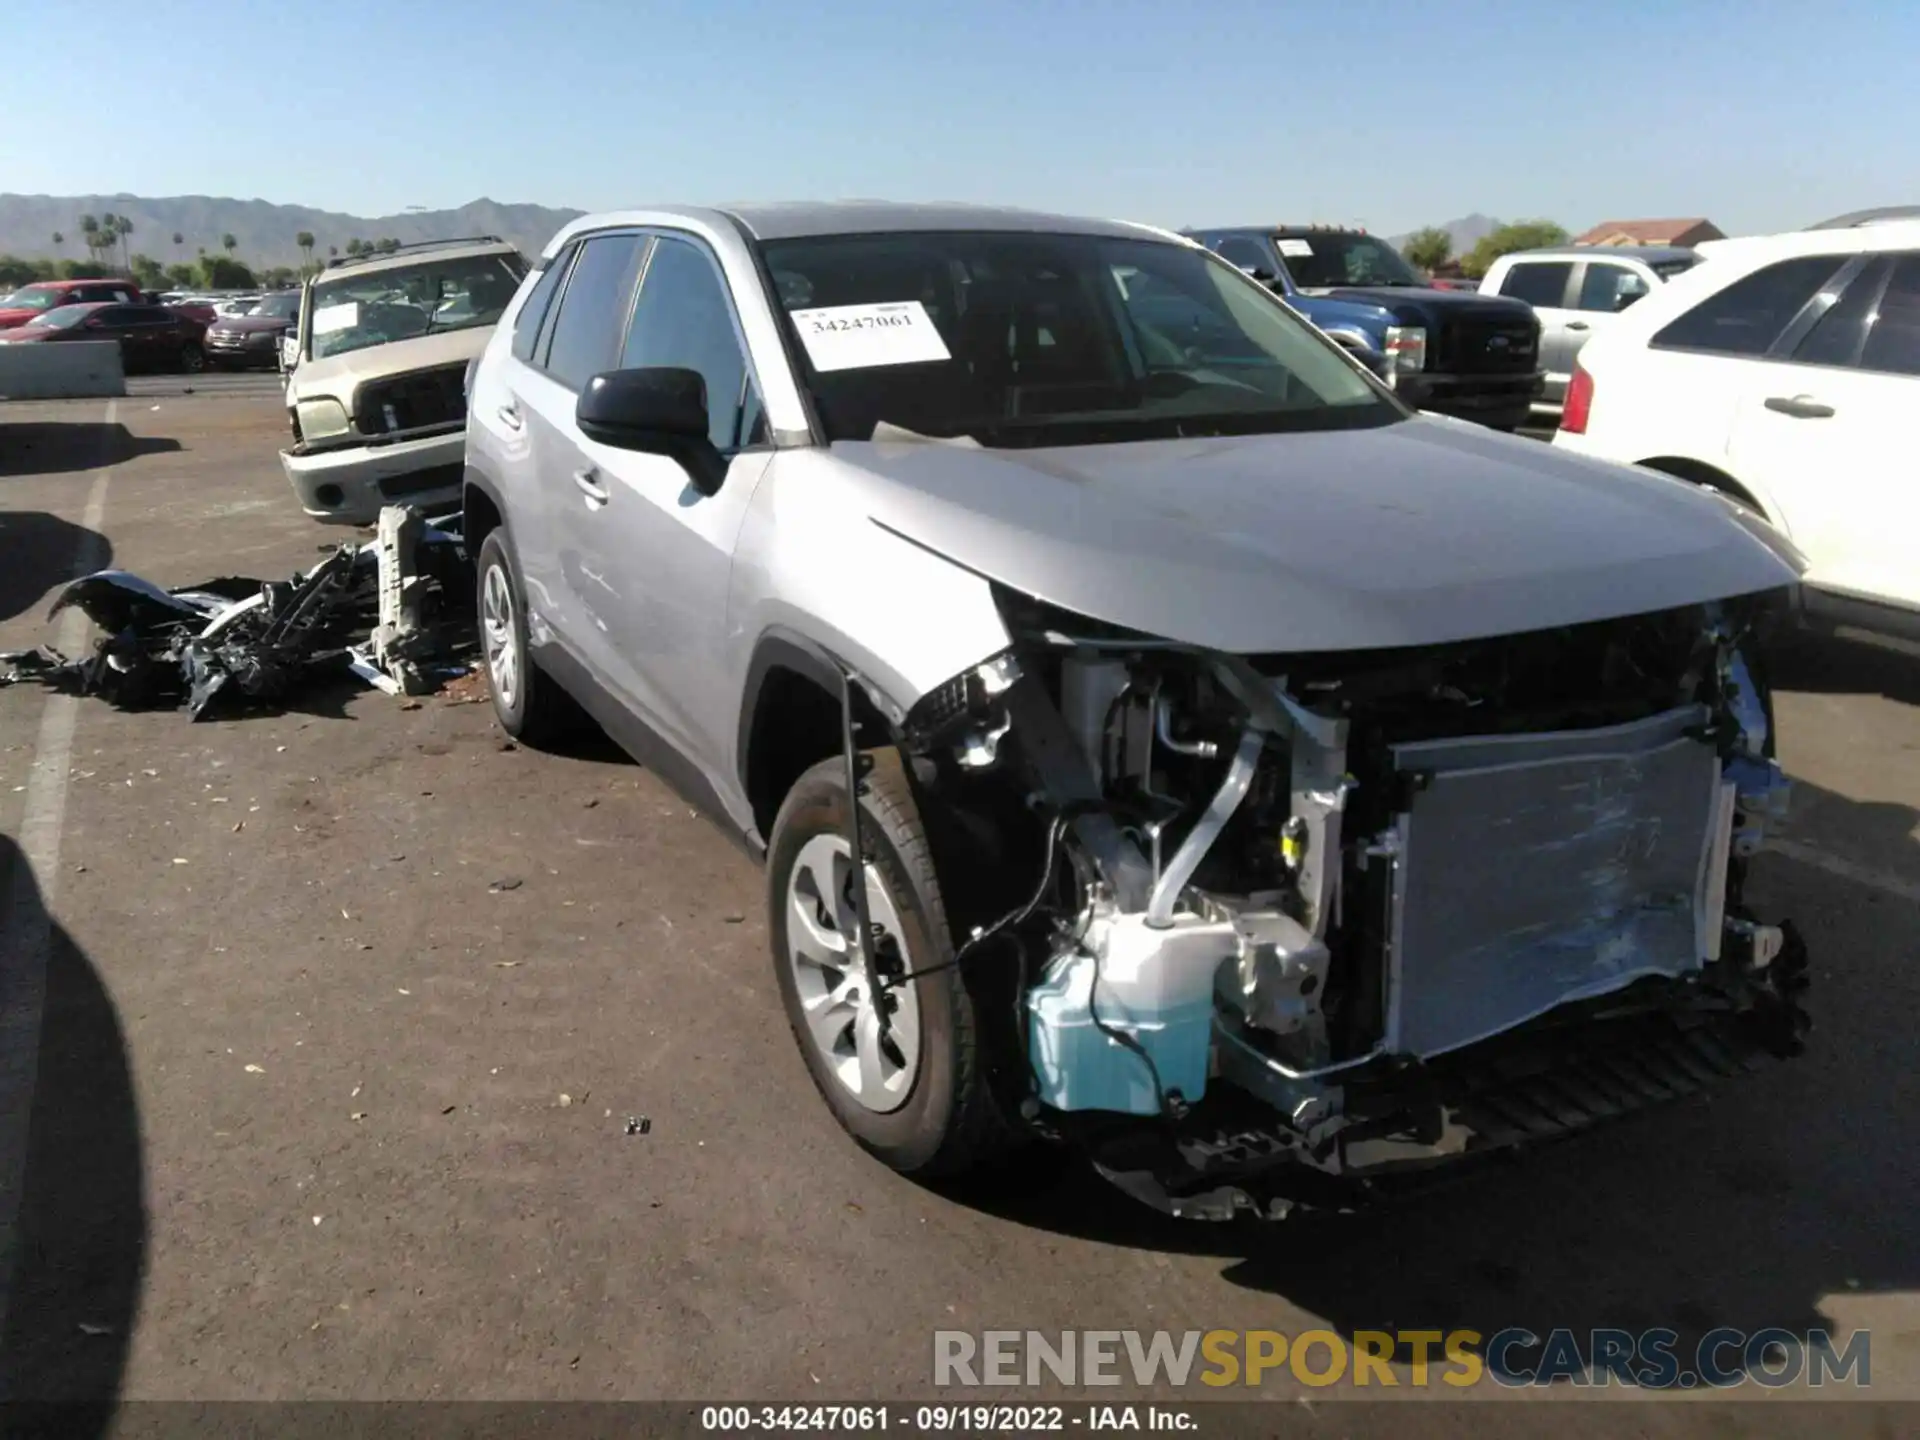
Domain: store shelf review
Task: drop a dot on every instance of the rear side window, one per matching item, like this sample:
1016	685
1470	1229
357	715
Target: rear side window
1839	333
1750	314
1538	282
526	327
593	310
1249	255
1893	340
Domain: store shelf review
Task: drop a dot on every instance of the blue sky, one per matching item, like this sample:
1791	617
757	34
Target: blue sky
1388	113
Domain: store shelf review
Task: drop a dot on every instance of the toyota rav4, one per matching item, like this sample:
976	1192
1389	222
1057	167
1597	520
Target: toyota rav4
1159	738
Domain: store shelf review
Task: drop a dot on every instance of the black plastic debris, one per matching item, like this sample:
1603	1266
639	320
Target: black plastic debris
253	640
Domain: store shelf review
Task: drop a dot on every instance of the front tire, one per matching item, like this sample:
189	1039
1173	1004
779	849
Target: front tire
192	358
528	705
916	1092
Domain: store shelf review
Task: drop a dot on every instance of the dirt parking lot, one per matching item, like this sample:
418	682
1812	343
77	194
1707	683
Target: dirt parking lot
332	1023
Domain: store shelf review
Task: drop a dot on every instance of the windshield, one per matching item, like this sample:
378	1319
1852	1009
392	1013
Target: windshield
1667	269
1324	259
356	311
279	307
30	299
64	317
1048	339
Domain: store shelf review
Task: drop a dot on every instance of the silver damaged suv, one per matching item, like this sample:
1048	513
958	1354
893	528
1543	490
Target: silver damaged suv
1266	790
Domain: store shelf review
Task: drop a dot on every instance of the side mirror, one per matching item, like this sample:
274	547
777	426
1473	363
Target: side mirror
657	411
1263	275
1622	301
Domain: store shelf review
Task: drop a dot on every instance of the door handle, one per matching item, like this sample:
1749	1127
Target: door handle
1577	325
510	417
589	482
1801	407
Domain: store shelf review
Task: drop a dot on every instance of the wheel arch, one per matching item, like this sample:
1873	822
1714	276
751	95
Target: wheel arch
481	510
1681	467
790	714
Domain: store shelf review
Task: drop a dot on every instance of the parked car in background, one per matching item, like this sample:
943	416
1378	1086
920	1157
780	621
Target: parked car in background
151	337
1577	291
236	305
375	386
253	340
30	302
1255	782
200	312
1465	355
1785	374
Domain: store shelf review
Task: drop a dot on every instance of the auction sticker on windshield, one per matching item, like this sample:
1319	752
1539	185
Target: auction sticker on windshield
852	337
1295	248
329	318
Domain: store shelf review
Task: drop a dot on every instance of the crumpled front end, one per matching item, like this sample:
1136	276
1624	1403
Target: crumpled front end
1310	924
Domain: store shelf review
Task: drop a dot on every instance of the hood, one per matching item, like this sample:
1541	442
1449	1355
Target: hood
15	316
249	324
1417	533
1449	304
27	334
340	375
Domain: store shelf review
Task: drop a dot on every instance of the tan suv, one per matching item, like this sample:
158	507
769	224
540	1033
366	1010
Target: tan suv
376	392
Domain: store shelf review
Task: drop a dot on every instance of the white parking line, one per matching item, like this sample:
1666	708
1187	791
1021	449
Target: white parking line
1881	880
26	929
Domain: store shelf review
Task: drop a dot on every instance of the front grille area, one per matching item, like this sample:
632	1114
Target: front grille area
1489	347
406	402
1534	870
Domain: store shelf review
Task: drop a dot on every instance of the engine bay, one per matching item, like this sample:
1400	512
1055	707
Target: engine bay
1291	887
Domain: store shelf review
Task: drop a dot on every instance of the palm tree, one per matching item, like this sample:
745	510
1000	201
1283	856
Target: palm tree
229	243
355	247
58	241
178	239
333	252
123	226
90	234
305	241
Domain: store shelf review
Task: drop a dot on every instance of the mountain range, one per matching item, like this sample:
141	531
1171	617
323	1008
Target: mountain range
265	231
1467	232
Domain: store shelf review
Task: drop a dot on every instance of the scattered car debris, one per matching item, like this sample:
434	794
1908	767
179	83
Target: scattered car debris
639	1125
511	882
380	610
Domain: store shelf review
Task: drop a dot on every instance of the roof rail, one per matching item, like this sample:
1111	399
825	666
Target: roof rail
1855	219
344	260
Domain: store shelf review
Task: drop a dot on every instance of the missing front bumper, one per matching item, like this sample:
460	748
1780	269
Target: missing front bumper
1394	1129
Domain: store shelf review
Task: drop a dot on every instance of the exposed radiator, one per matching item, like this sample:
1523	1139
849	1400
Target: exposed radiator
1536	869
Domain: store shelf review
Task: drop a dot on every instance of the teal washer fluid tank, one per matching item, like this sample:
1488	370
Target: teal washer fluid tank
1155	986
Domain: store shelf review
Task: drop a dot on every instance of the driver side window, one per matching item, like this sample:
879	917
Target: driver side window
683	320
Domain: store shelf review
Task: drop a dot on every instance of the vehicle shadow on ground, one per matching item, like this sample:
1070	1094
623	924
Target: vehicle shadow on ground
1754	1206
58	447
38	552
79	1237
1845	665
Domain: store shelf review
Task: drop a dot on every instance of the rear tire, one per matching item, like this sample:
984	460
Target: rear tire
944	1118
528	705
192	358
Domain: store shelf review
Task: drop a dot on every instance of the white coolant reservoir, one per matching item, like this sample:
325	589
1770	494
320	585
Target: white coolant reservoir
1155	985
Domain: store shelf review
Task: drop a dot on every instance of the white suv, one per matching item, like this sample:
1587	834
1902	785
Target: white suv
1786	375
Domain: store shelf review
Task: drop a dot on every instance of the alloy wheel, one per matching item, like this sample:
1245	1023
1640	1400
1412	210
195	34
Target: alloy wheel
871	1045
